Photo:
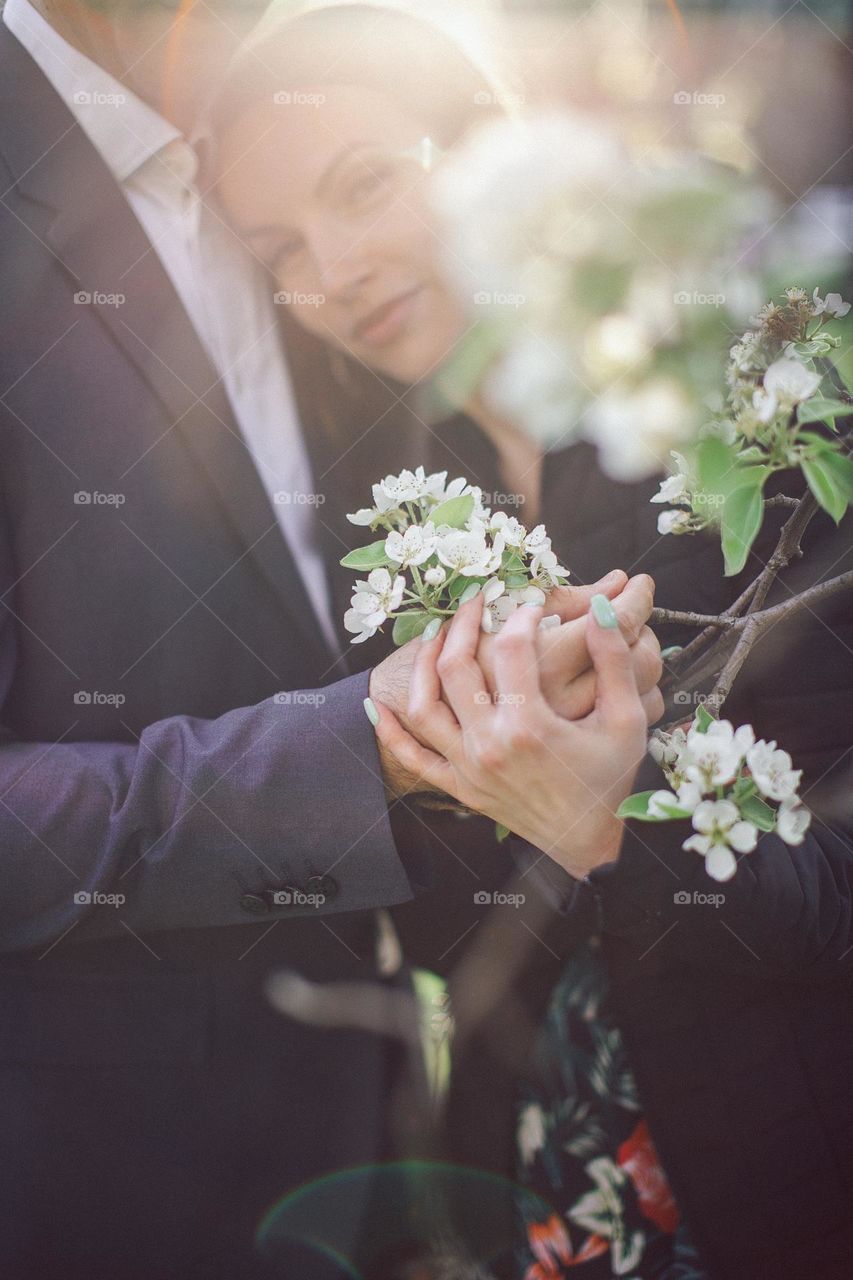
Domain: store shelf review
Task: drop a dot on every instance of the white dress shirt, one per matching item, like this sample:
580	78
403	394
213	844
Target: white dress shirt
225	291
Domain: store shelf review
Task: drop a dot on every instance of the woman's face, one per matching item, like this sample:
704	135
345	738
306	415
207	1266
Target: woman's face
327	190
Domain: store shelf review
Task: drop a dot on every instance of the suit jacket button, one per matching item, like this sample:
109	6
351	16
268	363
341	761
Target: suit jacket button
327	886
254	903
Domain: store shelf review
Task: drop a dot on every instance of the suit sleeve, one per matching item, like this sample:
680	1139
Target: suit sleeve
271	810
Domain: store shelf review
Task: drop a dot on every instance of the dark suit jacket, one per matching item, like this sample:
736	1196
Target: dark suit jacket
152	1103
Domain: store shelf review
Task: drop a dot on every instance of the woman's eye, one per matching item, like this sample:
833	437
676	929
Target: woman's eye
374	182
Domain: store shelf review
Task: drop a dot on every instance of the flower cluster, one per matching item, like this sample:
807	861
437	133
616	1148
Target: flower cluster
593	273
778	397
724	781
440	546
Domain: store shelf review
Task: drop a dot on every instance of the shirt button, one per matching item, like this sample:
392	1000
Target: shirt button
254	903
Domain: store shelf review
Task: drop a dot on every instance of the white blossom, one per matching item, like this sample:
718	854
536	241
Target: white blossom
772	772
415	545
720	829
531	1131
468	553
792	822
675	521
371	603
831	305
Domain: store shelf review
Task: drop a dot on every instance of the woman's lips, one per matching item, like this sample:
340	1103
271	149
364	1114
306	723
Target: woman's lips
383	325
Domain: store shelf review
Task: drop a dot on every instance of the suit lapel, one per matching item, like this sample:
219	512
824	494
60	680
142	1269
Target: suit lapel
98	241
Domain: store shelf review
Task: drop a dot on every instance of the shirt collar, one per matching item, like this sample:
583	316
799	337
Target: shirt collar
123	129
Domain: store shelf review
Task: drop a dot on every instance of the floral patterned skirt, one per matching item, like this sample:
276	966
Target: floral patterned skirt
596	1197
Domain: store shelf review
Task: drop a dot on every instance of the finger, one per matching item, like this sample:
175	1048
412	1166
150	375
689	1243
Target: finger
573	602
653	705
617	702
429	768
516	660
646	659
462	680
634	604
432	720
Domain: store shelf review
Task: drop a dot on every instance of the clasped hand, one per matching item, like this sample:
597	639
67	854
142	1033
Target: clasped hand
542	730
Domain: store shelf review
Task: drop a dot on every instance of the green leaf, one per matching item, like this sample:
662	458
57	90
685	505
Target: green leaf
822	483
370	557
501	832
714	463
516	581
703	719
754	810
820	410
409	625
742	517
455	511
460	584
840	468
637	807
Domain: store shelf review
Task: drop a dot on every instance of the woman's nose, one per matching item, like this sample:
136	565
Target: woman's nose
342	266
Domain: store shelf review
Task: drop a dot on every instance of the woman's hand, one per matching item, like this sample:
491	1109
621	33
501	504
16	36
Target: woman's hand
508	754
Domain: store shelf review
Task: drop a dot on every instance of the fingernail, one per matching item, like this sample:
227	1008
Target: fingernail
603	612
469	593
371	712
431	629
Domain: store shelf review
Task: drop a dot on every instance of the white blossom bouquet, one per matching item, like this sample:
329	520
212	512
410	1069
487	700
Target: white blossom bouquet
440	546
727	783
783	401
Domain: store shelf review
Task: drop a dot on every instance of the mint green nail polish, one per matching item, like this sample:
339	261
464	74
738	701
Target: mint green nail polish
431	629
371	712
469	593
603	612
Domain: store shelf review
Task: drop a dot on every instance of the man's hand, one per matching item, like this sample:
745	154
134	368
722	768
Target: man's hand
566	675
558	783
